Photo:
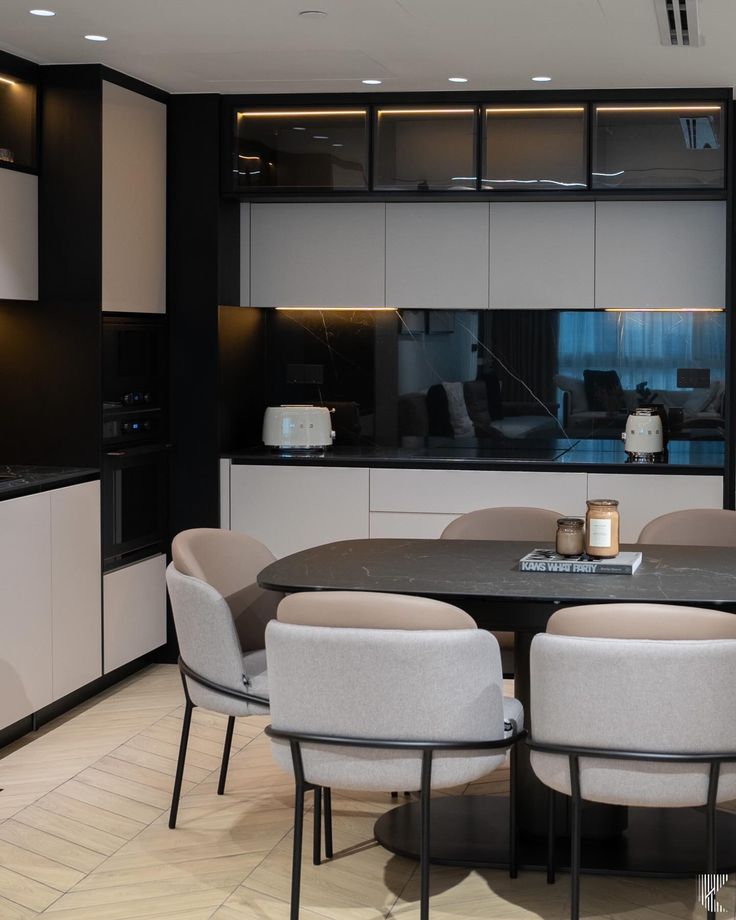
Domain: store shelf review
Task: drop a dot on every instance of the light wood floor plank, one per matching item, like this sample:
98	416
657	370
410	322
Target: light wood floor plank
69	829
141	774
12	911
102	820
45	844
25	891
113	802
129	789
38	868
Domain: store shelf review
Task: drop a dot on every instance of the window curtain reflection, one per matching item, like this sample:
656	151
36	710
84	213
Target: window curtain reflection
527	343
642	346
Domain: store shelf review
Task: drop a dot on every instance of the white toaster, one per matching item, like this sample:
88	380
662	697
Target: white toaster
298	427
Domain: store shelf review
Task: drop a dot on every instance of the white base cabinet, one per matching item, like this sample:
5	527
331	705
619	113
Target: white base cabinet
293	508
50	614
134	604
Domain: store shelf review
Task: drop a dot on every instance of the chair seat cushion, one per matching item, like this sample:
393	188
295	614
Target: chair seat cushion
512	709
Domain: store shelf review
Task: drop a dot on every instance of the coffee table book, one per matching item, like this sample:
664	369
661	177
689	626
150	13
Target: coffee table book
547	560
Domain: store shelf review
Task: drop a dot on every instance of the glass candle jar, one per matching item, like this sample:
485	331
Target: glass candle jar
601	528
570	539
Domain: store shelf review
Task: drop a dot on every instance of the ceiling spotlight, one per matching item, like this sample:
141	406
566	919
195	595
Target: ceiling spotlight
337	145
96	38
312	14
297	128
320	137
541	79
372	82
42	12
458	79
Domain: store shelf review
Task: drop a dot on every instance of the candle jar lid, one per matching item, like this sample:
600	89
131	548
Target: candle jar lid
608	503
570	523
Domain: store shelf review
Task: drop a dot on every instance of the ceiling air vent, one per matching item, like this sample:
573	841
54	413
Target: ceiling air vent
679	22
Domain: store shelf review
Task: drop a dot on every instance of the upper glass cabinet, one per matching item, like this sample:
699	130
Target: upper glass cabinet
325	148
17	122
423	148
658	145
534	147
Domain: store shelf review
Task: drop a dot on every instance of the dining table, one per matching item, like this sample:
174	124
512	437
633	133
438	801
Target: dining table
483	578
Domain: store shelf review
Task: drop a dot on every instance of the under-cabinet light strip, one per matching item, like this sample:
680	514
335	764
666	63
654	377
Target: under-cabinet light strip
525	110
664	309
658	108
301	113
446	111
6	80
343	309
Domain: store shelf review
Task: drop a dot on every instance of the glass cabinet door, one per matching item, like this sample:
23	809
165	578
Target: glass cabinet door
302	148
658	145
534	147
17	122
422	148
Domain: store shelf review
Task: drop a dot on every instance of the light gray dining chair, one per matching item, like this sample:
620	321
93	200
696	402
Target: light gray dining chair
692	527
505	523
396	707
627	708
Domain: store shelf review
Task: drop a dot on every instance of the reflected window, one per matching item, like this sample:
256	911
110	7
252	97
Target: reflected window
421	149
534	147
302	148
17	121
658	146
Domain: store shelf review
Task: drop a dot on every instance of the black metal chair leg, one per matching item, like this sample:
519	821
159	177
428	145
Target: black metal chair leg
575	839
327	792
424	835
317	837
296	861
711	831
551	835
513	861
180	764
226	755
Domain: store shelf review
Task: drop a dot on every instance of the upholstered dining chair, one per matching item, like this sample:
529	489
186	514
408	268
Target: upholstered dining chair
365	696
627	704
506	523
692	527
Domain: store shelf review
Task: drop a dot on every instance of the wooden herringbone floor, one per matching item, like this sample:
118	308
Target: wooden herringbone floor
83	833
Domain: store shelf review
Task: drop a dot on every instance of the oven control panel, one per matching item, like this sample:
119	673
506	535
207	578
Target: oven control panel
128	427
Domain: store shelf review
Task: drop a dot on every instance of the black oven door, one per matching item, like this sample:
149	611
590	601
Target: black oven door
135	484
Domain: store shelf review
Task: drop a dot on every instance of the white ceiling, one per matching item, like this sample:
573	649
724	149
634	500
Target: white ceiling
264	46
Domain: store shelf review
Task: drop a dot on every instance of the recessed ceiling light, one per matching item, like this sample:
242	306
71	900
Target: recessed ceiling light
312	14
320	137
372	82
458	79
297	128
42	12
96	38
337	145
541	79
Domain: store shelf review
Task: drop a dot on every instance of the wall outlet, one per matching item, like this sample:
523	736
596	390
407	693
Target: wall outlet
696	377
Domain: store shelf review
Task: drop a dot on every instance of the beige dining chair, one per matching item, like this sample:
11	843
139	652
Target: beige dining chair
506	523
692	527
231	618
627	708
376	691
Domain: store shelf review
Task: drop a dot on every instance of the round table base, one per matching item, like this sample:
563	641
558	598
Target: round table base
473	831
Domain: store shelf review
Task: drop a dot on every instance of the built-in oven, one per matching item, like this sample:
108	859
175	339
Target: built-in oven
135	502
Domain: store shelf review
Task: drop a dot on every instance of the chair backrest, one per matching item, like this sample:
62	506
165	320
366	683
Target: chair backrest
637	686
370	610
504	524
642	621
692	527
208	641
401	684
230	562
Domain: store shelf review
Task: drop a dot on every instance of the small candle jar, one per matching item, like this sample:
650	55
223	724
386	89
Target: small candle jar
570	539
601	528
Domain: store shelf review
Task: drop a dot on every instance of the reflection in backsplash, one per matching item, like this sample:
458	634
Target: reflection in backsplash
505	376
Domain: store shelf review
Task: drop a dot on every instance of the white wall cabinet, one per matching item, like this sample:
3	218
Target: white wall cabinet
76	591
18	235
293	508
660	254
134	605
437	255
542	255
330	255
133	201
643	498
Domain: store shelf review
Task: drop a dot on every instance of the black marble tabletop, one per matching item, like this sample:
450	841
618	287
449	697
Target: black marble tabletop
17	480
488	570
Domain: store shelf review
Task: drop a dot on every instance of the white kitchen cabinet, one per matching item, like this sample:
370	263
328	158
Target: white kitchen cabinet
660	254
25	607
76	590
134	611
437	255
645	497
542	255
292	508
408	525
133	201
245	254
317	254
453	492
18	235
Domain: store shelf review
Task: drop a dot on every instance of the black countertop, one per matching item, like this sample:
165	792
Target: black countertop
698	457
30	479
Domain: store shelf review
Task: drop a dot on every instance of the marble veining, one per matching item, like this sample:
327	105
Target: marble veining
29	479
